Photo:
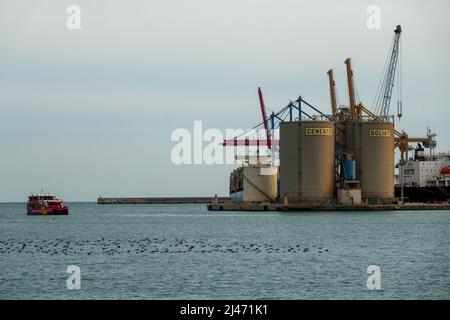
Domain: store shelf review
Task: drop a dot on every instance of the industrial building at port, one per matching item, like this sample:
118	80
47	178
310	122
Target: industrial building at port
342	158
323	161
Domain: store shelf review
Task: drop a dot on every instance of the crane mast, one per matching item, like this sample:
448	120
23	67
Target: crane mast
390	75
351	87
332	92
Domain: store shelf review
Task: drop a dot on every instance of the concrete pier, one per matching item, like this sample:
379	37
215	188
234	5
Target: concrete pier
230	206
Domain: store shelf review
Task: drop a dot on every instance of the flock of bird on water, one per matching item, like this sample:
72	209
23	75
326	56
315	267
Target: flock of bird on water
143	246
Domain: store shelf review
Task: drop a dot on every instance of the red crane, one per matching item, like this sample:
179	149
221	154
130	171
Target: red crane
255	142
263	111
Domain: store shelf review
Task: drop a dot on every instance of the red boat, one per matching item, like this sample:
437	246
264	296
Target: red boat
46	204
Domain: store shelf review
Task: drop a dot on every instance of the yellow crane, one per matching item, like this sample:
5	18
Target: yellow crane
351	87
332	92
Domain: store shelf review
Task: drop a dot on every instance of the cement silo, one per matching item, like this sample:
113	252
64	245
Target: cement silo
307	161
372	143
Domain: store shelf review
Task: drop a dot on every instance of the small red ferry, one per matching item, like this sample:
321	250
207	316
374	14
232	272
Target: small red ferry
46	204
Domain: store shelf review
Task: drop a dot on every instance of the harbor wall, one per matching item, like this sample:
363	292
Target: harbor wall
159	200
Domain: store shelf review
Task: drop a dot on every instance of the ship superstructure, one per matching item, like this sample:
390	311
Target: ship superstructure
427	171
424	178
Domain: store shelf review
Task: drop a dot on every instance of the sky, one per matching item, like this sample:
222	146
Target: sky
90	112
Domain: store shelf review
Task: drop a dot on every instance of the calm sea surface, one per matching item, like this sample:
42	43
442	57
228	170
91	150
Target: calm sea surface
186	252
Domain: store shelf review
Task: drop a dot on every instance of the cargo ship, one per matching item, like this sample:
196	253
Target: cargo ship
426	178
254	183
46	204
256	180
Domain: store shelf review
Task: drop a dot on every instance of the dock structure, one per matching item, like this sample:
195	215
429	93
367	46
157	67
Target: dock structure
232	206
160	200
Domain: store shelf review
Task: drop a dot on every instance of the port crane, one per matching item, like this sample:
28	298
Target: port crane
383	97
332	92
355	111
264	116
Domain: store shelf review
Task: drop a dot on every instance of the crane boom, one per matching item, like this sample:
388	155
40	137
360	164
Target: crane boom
351	87
263	111
390	75
332	92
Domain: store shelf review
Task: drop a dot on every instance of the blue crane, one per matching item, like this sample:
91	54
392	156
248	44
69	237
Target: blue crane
382	100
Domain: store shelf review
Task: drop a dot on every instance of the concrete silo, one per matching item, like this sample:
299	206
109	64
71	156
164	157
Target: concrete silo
307	161
372	144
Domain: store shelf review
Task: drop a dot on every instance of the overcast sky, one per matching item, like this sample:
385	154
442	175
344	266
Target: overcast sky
89	112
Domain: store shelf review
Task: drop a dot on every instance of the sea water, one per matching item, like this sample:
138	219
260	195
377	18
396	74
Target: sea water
186	252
